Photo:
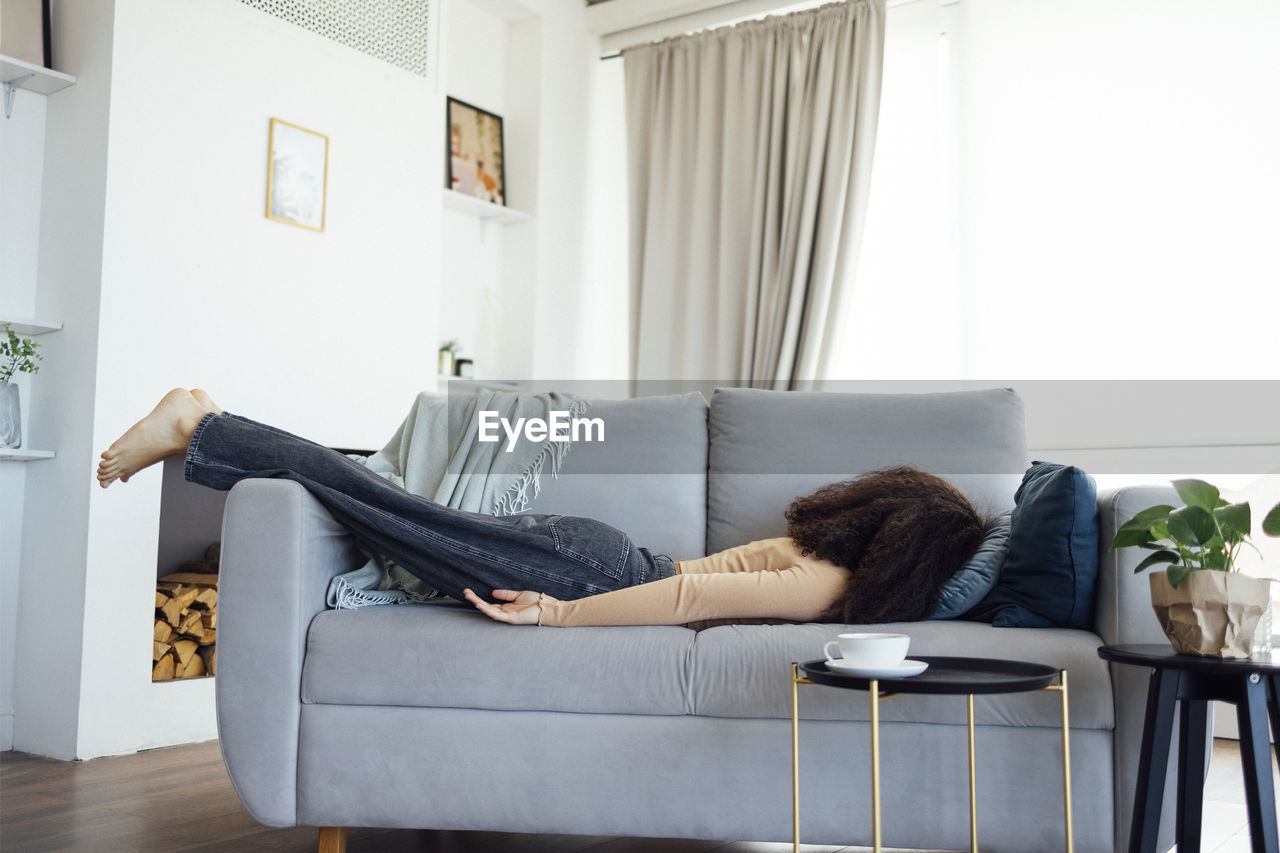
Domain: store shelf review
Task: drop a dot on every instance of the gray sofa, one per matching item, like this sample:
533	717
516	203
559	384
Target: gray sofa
436	717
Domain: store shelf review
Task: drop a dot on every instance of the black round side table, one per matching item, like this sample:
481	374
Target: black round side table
1253	686
945	675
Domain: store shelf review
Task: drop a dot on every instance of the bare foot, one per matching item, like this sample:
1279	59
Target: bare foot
163	433
205	400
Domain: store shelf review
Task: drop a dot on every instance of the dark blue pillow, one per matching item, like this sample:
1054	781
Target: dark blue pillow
1052	568
977	577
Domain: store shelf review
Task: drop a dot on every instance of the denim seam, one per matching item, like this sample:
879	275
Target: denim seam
615	573
193	446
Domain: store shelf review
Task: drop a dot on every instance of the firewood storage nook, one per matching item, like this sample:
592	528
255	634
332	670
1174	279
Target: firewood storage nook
186	627
184	643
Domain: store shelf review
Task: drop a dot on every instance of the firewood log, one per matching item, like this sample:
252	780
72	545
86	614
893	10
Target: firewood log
163	670
161	598
191	625
188	579
207	599
194	667
184	649
163	631
159	650
210	655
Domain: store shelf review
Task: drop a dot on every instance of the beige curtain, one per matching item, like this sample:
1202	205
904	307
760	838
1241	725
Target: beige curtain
749	158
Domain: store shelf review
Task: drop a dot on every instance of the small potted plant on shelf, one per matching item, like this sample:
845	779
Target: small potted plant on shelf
445	358
17	355
1204	604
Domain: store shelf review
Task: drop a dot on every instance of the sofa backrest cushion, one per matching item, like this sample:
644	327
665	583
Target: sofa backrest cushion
770	447
646	477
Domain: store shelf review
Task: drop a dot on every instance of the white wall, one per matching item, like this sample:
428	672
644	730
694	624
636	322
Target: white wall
22	156
475	64
329	334
155	253
51	602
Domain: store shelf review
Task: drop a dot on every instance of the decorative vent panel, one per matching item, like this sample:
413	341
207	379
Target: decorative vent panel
394	31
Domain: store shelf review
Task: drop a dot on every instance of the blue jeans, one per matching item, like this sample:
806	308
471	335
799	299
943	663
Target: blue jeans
564	556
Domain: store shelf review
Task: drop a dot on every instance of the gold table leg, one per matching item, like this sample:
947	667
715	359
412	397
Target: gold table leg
1061	688
973	785
875	765
1066	765
795	759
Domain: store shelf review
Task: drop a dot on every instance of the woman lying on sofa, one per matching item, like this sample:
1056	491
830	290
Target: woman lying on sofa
874	549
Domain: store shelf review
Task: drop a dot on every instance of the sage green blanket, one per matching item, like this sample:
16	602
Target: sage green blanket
436	453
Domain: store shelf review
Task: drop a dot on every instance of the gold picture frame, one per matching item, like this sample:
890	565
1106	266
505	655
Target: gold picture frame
297	175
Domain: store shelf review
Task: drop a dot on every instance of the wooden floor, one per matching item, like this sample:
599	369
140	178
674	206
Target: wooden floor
180	799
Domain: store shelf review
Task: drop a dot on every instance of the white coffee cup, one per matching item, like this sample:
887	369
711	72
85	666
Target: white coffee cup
872	651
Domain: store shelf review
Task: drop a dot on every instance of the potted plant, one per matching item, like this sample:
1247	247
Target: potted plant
17	355
445	357
1203	603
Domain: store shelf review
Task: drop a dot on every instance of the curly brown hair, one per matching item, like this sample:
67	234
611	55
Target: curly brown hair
900	531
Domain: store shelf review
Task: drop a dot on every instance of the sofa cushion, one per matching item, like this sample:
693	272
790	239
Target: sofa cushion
770	447
976	578
743	671
451	656
1049	576
648	476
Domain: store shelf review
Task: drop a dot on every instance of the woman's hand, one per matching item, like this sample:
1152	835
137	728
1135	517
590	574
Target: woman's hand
522	607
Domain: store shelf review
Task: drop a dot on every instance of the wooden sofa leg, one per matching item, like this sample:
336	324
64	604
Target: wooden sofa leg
333	839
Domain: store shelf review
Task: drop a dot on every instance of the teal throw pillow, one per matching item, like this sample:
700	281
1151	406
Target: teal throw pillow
976	578
1049	577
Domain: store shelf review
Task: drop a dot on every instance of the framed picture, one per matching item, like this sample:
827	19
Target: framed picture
297	175
474	165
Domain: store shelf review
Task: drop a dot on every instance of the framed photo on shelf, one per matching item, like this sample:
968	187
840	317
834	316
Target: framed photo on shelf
297	175
474	164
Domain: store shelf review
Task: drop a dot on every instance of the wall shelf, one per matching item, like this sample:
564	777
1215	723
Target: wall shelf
483	210
21	454
19	74
43	81
28	326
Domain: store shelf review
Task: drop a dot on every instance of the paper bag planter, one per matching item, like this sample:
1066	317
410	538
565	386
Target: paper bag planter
1210	613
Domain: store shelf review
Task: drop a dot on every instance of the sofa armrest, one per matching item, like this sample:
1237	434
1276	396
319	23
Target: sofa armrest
1123	614
1122	608
280	547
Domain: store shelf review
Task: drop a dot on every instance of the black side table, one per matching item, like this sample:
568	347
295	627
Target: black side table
945	675
1253	686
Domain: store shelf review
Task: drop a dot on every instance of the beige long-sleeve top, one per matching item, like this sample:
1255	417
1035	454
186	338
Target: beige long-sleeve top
766	579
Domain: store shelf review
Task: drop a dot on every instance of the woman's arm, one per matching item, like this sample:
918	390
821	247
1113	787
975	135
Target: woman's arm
764	555
802	591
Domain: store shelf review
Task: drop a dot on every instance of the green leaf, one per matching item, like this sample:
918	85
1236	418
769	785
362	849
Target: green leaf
1129	538
1192	525
1215	558
1139	529
1234	520
1197	493
1145	518
1177	574
1271	524
1155	559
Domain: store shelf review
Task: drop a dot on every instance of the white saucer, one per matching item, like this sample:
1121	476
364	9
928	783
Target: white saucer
906	669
